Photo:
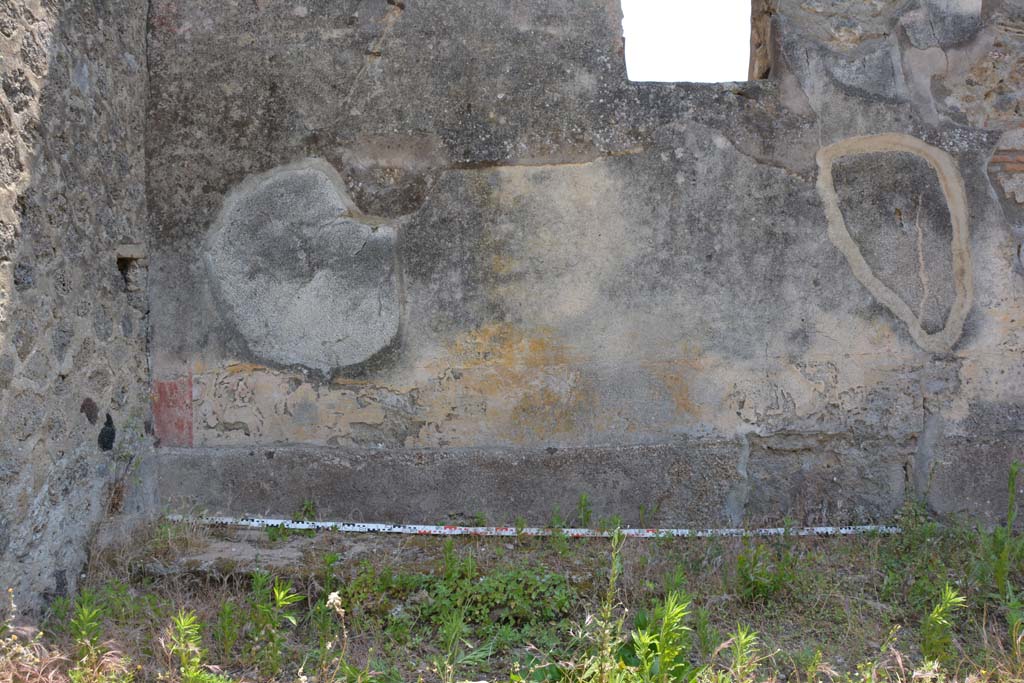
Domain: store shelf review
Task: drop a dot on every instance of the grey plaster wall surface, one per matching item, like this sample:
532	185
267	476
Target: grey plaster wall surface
73	291
803	285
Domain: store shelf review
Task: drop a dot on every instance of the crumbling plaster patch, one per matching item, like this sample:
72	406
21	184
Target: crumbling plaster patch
956	200
303	276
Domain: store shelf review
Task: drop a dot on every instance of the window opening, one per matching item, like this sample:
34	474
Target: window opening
695	41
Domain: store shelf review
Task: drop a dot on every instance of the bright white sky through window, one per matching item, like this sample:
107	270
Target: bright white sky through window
693	41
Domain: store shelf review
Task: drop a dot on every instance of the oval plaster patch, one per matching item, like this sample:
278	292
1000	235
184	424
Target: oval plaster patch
952	185
303	280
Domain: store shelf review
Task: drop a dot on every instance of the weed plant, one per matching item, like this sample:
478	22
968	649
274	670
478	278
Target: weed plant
184	643
937	628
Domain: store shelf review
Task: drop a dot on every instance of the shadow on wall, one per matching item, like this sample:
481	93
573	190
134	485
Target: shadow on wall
73	309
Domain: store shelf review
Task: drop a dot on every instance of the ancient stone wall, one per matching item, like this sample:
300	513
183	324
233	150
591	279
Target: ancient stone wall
74	393
428	260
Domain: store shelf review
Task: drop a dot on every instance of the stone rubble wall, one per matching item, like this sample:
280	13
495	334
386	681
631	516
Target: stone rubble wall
73	286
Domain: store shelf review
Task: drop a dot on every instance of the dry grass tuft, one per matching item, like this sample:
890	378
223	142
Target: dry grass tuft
23	657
